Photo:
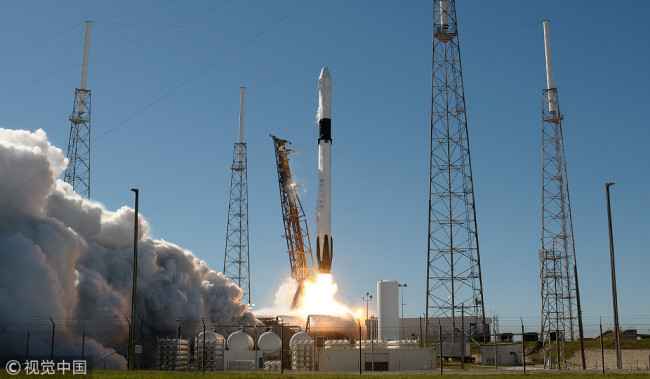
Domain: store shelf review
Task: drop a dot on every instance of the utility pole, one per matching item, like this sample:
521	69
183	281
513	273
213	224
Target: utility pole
132	324
619	363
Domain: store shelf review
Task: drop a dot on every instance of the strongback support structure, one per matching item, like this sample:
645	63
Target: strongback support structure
77	174
454	284
560	316
296	232
236	260
295	225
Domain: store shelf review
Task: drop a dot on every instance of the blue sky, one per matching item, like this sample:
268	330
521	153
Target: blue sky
165	78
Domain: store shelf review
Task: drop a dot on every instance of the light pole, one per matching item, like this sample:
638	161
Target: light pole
367	299
619	364
135	283
402	286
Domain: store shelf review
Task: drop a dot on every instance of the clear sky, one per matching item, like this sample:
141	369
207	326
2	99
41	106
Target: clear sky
165	78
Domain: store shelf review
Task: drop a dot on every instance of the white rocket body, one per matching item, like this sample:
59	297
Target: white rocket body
324	207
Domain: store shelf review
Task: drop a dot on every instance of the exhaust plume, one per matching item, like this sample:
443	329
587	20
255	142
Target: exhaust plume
65	256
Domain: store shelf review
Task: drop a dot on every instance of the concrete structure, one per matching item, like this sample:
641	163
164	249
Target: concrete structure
388	309
414	328
378	359
508	354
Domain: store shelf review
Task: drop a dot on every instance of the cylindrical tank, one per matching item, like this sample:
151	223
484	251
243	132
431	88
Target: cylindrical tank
240	341
209	336
388	309
269	343
300	336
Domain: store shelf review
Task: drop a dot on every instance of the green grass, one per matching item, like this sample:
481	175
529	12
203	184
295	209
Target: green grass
228	375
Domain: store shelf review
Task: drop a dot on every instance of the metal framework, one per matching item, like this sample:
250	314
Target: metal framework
295	225
454	283
236	261
77	174
557	257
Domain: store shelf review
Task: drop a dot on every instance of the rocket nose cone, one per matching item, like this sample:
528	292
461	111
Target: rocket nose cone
325	73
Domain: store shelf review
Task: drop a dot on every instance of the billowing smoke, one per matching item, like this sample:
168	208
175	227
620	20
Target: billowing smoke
65	256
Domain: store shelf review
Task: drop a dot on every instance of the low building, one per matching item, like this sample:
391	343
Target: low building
508	354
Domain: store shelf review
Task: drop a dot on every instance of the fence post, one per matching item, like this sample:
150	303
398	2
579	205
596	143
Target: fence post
523	345
602	347
27	348
494	333
83	344
52	347
440	343
462	335
203	355
129	356
359	322
282	348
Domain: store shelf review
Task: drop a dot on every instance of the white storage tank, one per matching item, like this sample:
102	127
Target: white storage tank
388	309
296	338
240	341
269	343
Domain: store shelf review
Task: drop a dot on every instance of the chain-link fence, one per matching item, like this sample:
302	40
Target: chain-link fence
329	344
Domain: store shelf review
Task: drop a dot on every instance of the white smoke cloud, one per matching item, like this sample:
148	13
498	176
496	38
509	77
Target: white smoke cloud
68	257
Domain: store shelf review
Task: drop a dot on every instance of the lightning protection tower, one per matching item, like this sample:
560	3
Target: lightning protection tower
558	272
77	174
236	263
454	284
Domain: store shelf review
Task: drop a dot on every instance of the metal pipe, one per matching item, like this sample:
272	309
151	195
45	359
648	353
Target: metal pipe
84	70
241	123
552	107
444	14
84	65
619	364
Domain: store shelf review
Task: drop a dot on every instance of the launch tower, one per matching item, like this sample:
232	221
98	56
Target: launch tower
236	263
558	272
454	284
296	232
77	174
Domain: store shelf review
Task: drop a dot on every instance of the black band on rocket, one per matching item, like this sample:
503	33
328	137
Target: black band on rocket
325	129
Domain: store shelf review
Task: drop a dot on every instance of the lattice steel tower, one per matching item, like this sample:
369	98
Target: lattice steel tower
454	284
77	174
236	261
560	304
